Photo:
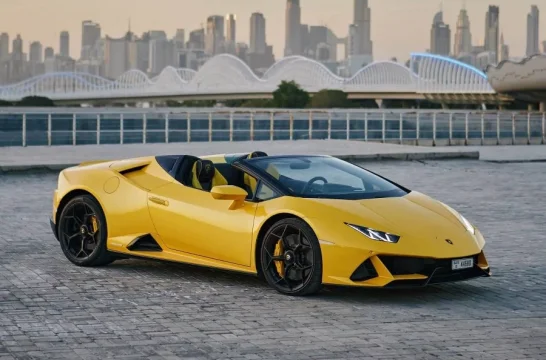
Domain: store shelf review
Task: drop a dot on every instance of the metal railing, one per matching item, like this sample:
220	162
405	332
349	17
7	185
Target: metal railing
30	127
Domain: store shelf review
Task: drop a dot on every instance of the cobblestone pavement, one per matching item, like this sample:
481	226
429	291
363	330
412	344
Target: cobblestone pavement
136	309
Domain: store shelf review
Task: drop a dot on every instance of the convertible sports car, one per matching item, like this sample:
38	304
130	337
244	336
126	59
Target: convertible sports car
297	221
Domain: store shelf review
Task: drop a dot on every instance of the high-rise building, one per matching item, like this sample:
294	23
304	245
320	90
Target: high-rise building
161	55
257	33
64	48
4	46
492	31
215	39
504	49
91	33
463	36
293	43
35	52
35	55
180	39
17	46
49	53
532	31
363	44
117	55
440	36
231	29
17	60
196	40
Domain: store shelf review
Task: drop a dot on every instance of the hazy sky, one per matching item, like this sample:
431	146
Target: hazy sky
398	26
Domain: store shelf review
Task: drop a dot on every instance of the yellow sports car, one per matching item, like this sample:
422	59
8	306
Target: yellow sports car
297	221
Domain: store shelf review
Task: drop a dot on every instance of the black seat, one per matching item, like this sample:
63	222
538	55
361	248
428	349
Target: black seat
205	176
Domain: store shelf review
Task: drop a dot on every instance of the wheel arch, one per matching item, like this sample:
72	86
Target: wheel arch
261	233
69	196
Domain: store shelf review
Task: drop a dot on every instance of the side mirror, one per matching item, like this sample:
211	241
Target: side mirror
229	192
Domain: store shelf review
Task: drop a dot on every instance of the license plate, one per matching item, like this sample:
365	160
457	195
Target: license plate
459	264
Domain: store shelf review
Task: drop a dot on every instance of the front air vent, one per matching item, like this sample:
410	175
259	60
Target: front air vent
144	243
365	271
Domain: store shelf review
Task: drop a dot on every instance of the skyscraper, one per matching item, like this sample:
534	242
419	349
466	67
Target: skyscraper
293	44
180	39
49	53
504	49
64	49
91	33
492	31
17	59
35	52
463	36
215	39
257	33
440	36
4	46
231	28
532	31
363	44
196	39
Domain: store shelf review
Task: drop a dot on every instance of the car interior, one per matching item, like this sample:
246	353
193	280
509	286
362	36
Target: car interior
203	174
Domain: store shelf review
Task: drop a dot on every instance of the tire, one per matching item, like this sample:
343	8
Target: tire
89	248
291	259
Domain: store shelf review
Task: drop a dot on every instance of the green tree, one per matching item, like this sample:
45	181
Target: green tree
330	99
290	95
258	103
5	103
38	101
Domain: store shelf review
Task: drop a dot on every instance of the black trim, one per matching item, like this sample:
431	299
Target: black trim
439	277
128	171
406	265
144	243
365	271
53	228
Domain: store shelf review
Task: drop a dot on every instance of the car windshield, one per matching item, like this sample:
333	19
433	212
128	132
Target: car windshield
326	177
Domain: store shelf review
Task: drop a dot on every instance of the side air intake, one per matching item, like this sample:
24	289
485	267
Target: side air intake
144	243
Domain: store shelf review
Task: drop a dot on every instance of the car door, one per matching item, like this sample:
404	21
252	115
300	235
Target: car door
192	221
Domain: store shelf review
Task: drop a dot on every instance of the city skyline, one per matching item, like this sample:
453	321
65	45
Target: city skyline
416	15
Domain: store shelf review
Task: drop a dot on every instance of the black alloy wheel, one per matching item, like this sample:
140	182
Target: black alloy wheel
82	232
291	259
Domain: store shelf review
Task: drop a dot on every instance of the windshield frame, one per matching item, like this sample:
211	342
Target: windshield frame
250	165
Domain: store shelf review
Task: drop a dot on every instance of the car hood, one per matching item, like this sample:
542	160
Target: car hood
413	215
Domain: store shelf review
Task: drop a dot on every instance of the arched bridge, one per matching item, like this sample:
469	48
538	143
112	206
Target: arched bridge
226	76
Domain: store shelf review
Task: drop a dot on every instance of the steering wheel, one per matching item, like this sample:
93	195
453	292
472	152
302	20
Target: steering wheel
310	182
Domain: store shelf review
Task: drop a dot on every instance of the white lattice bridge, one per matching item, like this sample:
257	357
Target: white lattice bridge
228	75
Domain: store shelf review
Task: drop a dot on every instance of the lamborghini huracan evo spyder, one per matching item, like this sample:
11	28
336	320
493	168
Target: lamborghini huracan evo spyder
296	221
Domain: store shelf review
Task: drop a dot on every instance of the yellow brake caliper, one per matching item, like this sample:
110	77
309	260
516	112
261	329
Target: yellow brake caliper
279	252
94	224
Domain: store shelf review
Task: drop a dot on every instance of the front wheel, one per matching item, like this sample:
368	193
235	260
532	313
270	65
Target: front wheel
291	259
82	232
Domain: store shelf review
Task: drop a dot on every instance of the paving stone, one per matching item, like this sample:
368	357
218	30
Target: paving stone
136	309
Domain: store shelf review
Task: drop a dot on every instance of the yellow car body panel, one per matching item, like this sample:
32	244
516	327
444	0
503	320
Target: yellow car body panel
193	227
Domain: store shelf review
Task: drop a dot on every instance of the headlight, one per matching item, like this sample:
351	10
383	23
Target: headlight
468	226
375	234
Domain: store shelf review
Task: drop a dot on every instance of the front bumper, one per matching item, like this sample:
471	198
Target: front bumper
404	271
53	228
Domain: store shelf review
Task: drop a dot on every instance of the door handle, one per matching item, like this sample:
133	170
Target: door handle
158	201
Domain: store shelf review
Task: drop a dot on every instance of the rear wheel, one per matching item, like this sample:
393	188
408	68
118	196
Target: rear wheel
82	232
291	259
